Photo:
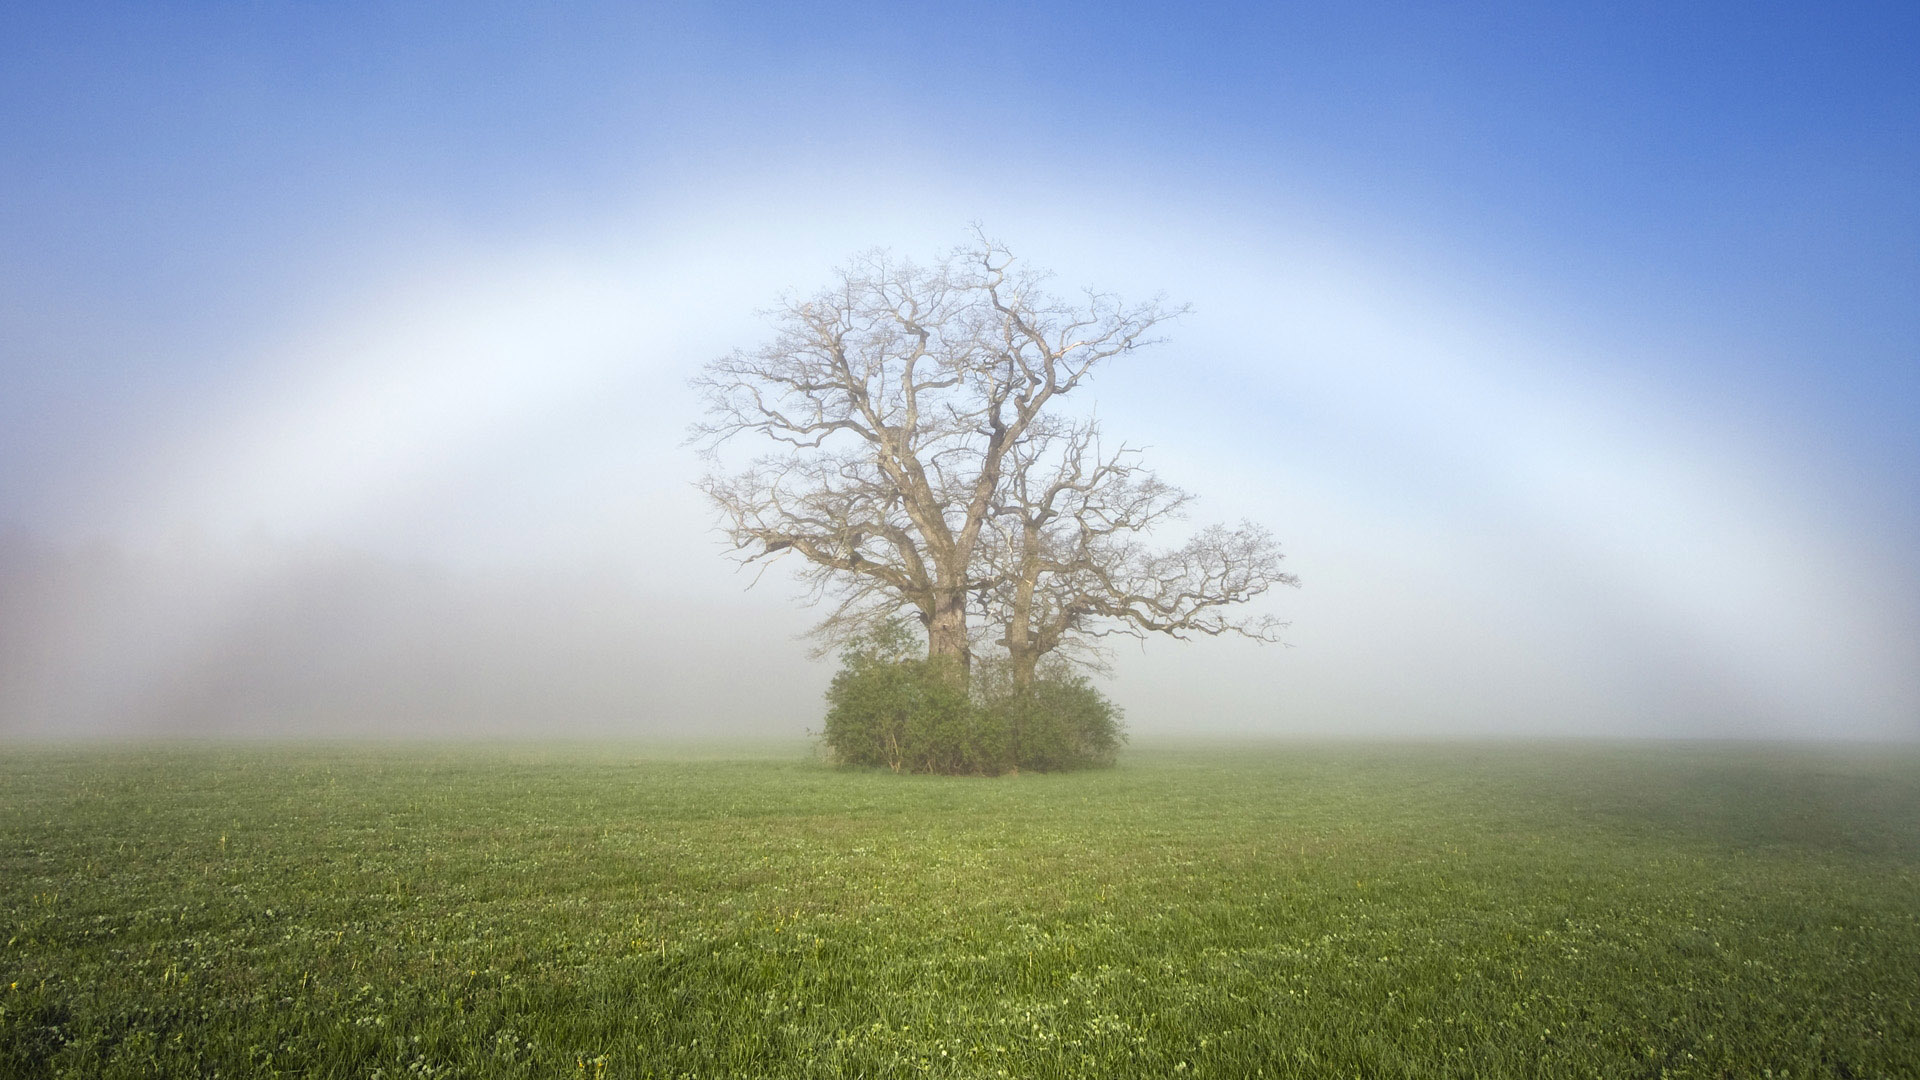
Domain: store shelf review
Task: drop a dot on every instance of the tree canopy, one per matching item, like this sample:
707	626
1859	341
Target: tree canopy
925	463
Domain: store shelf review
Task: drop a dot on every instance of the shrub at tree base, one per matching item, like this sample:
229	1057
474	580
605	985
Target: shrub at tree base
917	716
1060	722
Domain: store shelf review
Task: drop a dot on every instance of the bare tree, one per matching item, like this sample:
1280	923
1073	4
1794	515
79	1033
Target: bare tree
898	395
1066	565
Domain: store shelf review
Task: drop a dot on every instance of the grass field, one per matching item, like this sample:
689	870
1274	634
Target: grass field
1271	909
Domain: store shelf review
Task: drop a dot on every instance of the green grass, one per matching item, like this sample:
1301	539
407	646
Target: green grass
1476	910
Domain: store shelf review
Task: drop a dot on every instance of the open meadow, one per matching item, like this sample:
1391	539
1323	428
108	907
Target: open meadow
1225	910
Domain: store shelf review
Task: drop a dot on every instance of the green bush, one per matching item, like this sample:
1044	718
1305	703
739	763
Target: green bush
1059	722
886	708
906	715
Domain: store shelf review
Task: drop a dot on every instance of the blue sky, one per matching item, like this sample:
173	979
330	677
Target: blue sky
1576	353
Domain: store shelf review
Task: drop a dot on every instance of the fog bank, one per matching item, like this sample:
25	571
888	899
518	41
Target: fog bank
320	642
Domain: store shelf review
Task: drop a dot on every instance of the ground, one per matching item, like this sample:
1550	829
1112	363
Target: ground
1286	909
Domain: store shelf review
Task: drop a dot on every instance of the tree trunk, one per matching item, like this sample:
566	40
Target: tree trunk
947	632
1025	661
1022	649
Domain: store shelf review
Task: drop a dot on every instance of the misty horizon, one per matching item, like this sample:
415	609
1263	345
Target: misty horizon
280	640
